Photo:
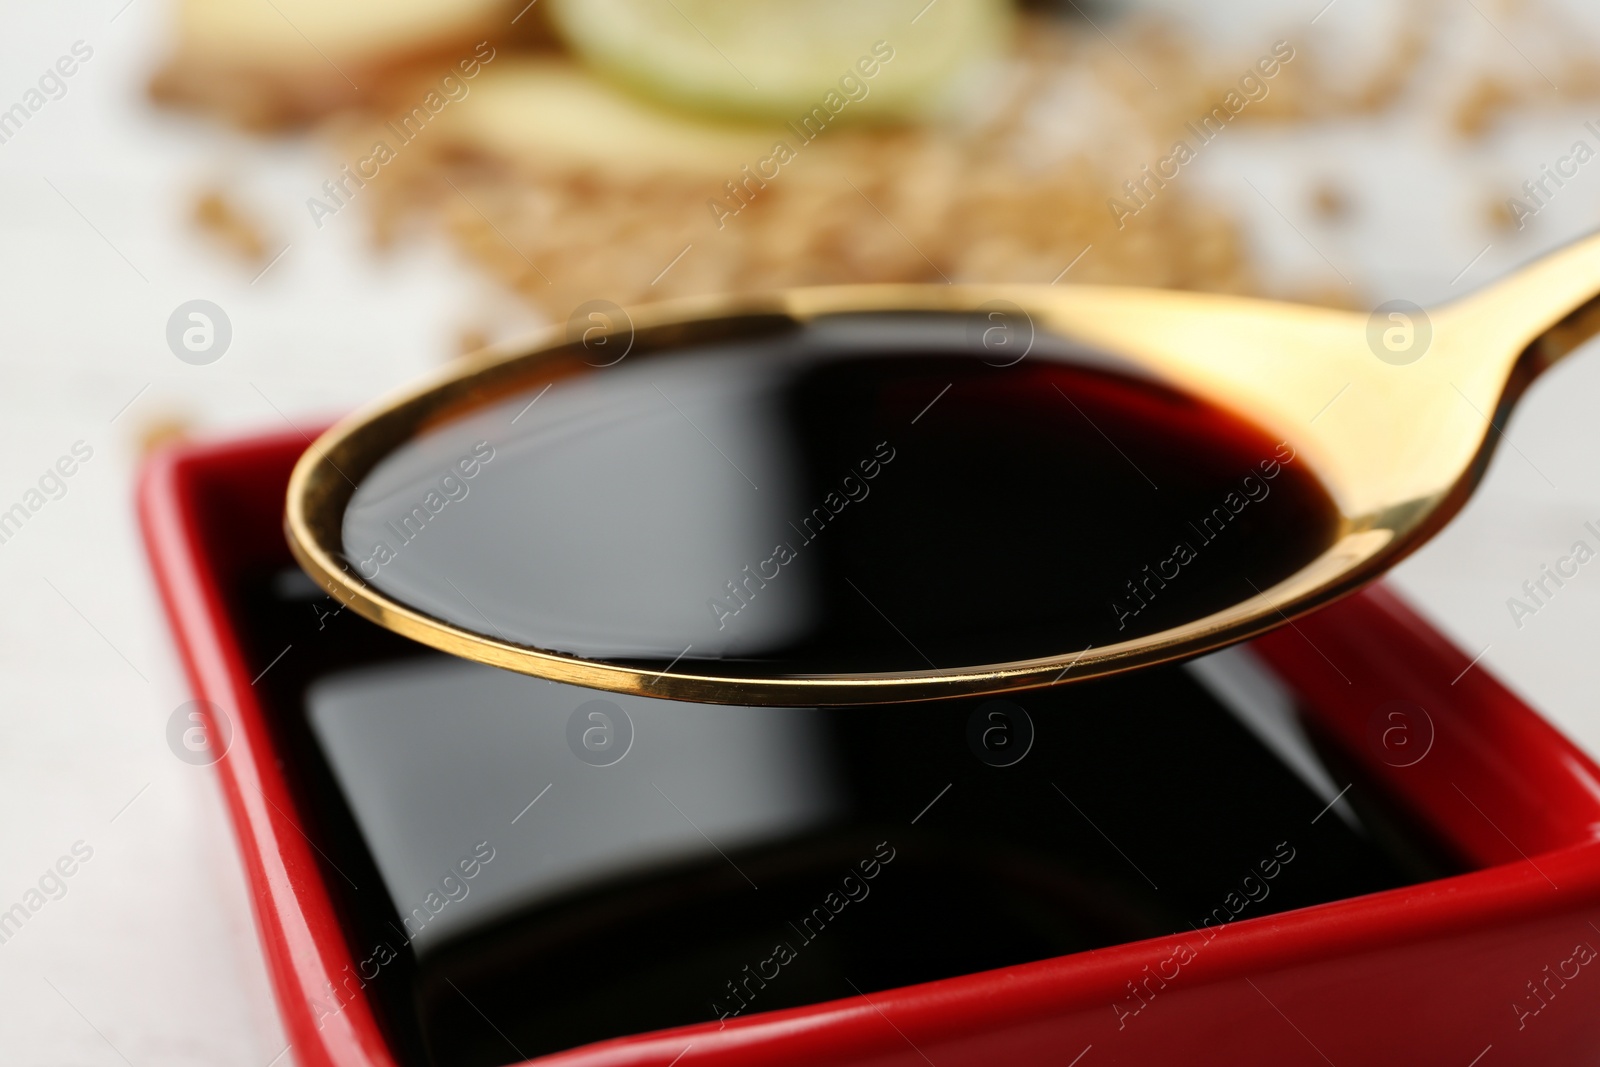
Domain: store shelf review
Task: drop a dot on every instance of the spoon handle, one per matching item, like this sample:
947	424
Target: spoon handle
1541	312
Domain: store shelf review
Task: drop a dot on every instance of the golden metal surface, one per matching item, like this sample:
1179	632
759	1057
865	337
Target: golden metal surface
1399	447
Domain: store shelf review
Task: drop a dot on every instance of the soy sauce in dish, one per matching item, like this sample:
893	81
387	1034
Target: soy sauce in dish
863	494
510	883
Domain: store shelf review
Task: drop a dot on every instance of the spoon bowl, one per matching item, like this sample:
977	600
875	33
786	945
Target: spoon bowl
1397	414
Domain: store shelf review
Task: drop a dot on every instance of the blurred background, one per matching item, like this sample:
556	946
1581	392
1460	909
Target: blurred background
360	191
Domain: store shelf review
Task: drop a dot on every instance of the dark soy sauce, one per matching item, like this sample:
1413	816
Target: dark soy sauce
864	494
510	886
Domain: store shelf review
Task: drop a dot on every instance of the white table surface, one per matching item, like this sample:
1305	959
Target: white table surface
151	956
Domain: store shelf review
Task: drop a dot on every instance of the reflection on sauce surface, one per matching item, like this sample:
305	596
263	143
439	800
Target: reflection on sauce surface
864	494
568	888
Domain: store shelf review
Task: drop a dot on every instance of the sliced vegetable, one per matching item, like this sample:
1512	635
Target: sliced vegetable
779	59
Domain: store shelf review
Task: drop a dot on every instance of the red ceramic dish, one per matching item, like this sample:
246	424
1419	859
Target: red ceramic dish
1491	966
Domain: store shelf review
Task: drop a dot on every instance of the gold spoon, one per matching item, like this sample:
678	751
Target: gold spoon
1397	413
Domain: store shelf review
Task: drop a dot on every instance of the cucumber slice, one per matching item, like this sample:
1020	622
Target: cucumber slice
778	59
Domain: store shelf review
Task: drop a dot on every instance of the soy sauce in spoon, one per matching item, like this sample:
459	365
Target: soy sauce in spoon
862	494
